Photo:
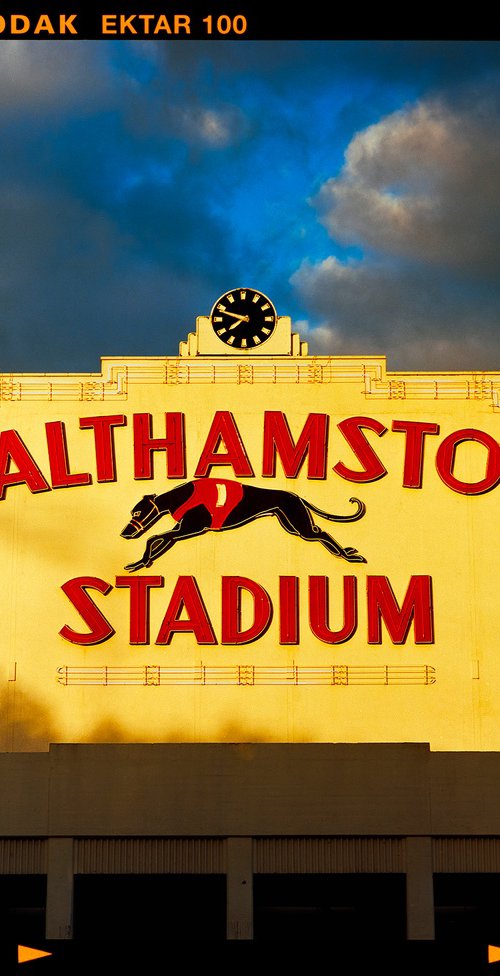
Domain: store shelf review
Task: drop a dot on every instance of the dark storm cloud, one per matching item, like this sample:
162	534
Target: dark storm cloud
419	320
434	64
52	78
140	180
78	300
107	240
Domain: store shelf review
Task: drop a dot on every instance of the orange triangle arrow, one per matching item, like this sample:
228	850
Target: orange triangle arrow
493	953
26	953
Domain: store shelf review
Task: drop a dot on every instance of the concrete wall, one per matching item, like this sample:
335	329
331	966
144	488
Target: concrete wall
248	790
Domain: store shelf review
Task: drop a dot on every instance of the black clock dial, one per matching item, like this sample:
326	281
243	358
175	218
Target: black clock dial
243	318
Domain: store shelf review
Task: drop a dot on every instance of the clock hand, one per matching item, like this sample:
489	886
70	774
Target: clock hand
241	318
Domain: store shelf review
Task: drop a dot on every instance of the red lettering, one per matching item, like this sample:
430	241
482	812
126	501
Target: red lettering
417	606
104	443
173	444
12	450
289	610
224	431
372	465
100	628
58	458
445	460
232	589
139	604
278	440
414	451
186	597
319	612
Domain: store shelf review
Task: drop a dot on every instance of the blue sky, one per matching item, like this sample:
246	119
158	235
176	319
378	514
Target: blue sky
355	183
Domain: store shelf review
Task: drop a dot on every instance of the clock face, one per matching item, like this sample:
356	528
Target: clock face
243	318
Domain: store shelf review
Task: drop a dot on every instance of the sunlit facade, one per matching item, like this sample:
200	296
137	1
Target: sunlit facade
250	643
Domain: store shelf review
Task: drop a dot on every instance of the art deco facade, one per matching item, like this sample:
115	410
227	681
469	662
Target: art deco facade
256	727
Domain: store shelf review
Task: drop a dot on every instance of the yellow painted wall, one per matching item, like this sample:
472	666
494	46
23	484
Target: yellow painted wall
51	537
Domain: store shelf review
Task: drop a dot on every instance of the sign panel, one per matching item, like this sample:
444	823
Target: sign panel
249	548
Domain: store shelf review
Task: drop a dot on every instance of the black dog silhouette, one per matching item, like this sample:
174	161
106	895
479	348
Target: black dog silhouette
213	504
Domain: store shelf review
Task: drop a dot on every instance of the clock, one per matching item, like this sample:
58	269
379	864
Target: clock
243	318
243	325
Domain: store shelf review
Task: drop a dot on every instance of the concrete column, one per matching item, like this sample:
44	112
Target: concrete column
419	889
59	915
239	888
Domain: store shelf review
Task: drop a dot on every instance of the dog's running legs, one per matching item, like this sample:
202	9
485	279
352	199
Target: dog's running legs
312	533
194	523
155	547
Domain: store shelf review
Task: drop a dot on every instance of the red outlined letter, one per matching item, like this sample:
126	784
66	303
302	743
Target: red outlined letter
104	443
225	431
232	587
312	441
173	443
414	452
445	460
12	449
417	606
139	604
76	591
319	610
58	458
289	610
186	597
372	465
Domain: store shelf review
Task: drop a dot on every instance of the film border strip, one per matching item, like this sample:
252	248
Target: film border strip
249	674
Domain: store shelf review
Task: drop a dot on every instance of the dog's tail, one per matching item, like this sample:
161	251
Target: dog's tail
340	518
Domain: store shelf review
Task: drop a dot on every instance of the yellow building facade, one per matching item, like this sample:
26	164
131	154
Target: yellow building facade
249	646
257	633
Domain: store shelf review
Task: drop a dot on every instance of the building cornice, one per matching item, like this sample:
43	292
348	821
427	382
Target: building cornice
119	375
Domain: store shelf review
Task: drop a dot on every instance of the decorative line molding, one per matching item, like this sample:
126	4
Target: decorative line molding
368	373
111	384
249	674
427	386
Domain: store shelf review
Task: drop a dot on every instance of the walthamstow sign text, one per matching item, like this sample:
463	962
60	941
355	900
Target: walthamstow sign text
310	447
224	446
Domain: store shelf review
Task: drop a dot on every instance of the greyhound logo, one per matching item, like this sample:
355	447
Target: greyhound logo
210	504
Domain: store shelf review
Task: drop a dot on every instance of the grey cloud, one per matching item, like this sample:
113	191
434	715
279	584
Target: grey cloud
420	194
213	127
52	77
420	320
423	184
